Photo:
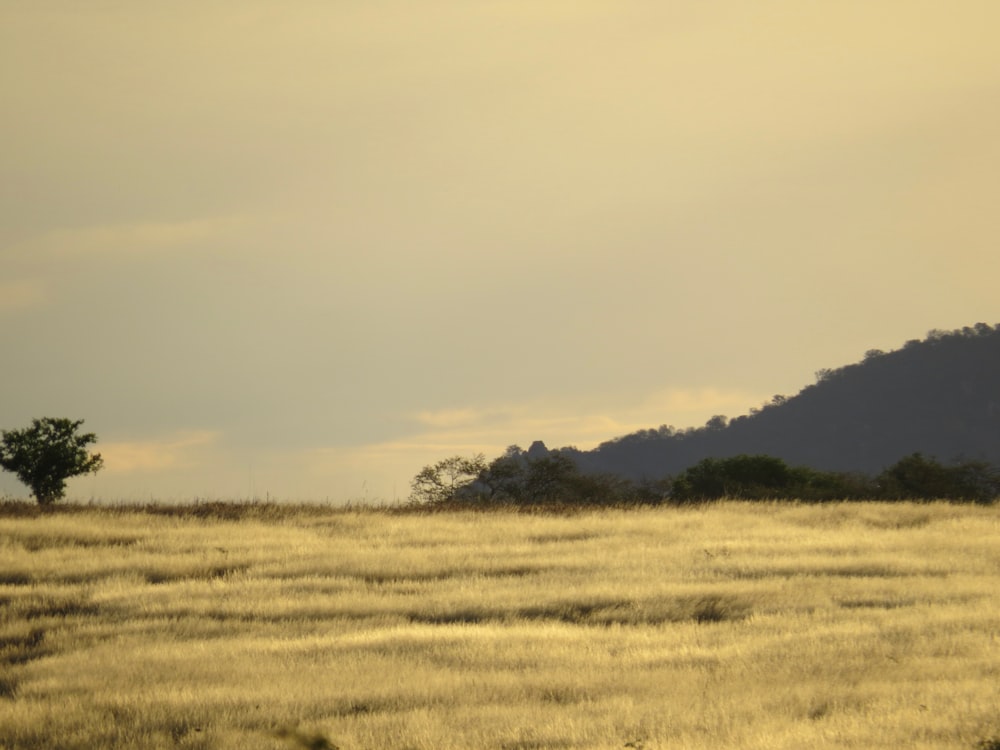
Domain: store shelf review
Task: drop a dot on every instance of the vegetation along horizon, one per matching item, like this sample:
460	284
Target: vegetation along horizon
706	625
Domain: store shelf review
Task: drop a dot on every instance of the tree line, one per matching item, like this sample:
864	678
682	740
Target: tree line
46	454
522	479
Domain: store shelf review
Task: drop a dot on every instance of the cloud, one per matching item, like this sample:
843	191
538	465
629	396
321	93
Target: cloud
177	451
135	239
22	294
449	418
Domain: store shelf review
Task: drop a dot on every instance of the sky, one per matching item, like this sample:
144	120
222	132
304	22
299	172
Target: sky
298	250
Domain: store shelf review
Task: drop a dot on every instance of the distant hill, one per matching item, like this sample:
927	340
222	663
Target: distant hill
939	397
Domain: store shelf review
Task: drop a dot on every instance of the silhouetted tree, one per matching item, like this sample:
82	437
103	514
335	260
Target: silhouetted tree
445	479
503	479
518	478
546	479
718	422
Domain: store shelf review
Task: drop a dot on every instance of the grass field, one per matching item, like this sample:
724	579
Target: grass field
730	625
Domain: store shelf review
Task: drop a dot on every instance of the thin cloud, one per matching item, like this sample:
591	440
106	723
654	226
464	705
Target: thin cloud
135	239
177	451
686	407
577	424
22	294
450	418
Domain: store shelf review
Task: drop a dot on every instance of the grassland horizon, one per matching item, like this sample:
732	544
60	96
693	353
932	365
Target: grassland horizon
721	625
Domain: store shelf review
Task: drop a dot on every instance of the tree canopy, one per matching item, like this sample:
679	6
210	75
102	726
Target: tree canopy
48	453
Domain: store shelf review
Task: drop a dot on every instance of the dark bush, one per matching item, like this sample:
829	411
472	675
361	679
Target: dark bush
918	477
747	477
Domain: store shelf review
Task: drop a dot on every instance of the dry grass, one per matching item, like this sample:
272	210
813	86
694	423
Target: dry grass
727	626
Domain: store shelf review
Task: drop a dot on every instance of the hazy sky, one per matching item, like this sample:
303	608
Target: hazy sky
306	247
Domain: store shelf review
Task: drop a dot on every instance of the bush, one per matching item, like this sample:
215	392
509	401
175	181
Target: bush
918	477
747	477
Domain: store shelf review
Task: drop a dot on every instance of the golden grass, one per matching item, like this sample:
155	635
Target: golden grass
732	625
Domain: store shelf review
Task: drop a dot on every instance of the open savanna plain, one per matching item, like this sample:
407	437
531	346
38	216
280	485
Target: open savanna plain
728	625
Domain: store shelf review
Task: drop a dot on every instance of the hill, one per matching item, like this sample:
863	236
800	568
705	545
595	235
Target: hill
939	397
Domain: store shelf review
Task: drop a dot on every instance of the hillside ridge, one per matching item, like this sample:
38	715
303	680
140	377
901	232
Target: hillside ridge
939	396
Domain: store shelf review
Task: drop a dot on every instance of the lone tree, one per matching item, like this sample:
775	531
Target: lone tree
48	453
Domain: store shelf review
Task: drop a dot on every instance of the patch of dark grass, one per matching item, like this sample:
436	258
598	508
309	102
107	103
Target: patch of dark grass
606	612
602	612
14	578
36	542
8	688
539	744
63	608
579	536
156	577
700	609
454	617
223	571
556	508
364	707
874	603
879	571
183	730
563	695
211	573
223	510
30	640
846	571
818	711
381	578
385	578
219	511
708	609
306	740
515	571
20	649
24	509
901	519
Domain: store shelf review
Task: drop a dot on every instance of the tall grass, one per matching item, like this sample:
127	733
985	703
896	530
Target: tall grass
726	626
